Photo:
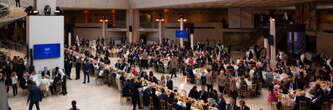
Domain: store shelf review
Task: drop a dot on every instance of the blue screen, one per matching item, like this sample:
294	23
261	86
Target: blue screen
181	34
45	51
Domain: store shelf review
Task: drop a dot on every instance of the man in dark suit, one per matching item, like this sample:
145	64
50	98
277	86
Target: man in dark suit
232	105
169	83
242	105
221	103
78	68
68	68
46	72
87	68
203	94
35	96
194	93
20	68
331	77
301	98
134	91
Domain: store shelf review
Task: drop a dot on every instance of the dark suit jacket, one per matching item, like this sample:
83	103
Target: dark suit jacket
170	84
229	107
87	67
221	104
203	95
298	99
35	95
46	73
245	108
193	94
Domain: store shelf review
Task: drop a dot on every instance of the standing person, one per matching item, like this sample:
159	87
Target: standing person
8	72
35	96
17	3
68	68
221	78
134	90
74	107
169	83
14	83
20	69
173	66
87	67
209	81
78	68
63	80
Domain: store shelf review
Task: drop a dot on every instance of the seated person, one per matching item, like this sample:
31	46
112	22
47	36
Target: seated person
45	72
300	96
45	83
194	93
163	95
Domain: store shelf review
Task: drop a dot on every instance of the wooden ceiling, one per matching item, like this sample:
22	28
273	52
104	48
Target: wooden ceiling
242	3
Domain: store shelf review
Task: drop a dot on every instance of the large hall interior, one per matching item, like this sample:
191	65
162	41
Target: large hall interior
166	54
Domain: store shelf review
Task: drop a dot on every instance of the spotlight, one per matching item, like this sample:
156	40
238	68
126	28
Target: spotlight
58	11
28	10
34	12
47	10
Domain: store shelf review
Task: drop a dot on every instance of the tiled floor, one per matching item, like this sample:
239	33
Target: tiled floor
101	97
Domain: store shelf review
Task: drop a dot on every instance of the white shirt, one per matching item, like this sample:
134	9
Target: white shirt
61	72
14	80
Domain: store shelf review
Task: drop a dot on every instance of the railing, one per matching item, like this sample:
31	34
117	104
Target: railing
118	24
149	25
13	46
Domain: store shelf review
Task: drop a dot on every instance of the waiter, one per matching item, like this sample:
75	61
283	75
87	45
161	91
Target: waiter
62	76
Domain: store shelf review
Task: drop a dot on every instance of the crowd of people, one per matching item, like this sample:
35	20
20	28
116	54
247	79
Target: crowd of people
305	82
16	73
211	65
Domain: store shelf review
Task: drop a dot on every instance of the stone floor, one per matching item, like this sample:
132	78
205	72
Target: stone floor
101	97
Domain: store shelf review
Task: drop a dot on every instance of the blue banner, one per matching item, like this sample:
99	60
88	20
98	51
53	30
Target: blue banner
181	34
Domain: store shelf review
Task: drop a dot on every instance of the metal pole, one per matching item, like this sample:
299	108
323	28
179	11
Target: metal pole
69	39
160	31
103	29
192	40
273	47
181	28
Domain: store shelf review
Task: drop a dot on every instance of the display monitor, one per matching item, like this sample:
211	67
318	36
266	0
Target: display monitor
46	51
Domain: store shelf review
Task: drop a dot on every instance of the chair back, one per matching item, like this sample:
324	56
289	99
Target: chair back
163	105
303	105
326	106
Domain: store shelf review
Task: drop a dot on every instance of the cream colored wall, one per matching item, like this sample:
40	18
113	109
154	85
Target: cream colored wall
88	33
161	3
94	4
112	35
